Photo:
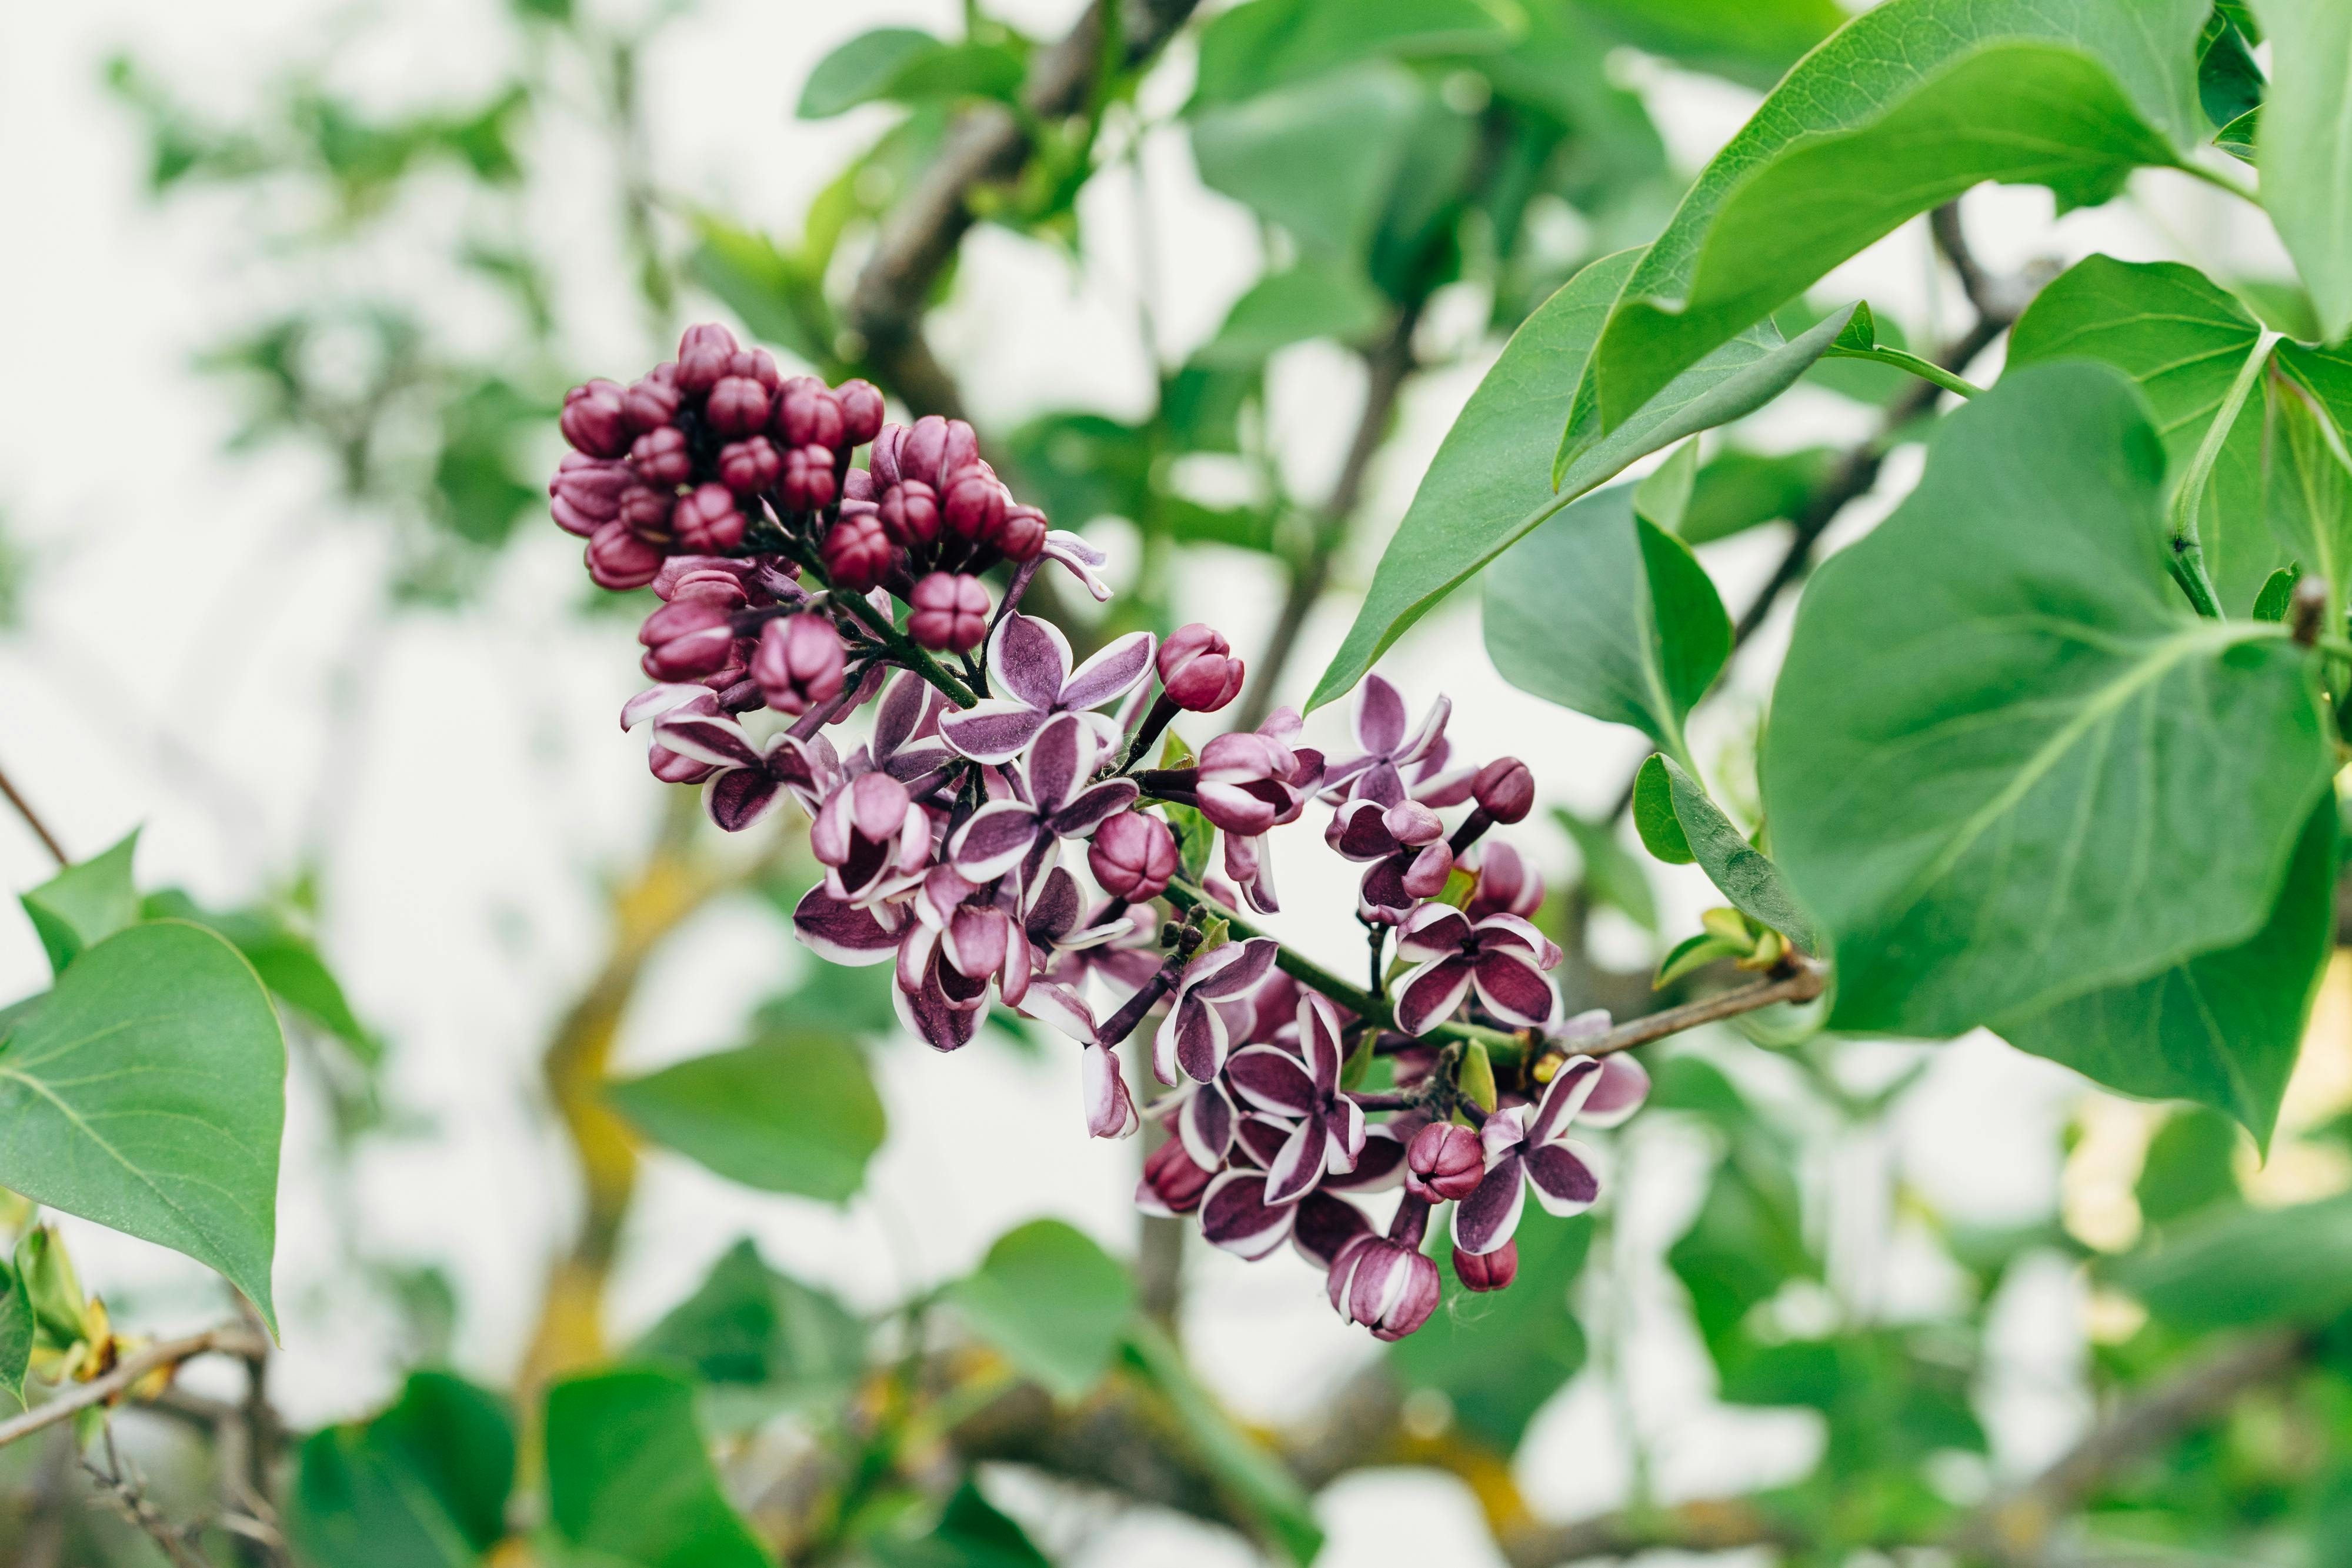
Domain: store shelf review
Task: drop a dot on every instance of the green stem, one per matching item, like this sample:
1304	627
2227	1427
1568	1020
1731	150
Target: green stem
2221	182
1925	369
2187	558
903	648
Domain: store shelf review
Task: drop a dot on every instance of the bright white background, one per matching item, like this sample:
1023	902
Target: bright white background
202	655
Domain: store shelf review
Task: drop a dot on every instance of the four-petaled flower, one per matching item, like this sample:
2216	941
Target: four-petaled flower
1029	663
1502	956
1197	1033
1303	1087
1250	782
1023	835
1406	845
1393	761
960	940
873	838
1528	1146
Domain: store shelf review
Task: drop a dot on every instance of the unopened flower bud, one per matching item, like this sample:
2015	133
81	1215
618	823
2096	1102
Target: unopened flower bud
807	415
1505	790
1020	535
647	510
705	355
1386	1286
586	491
592	420
1198	668
707	521
807	483
798	665
1487	1270
950	612
910	513
858	553
737	406
1443	1162
619	560
662	458
1172	1183
1132	855
933	448
971	504
689	637
750	465
861	412
671	767
759	365
651	401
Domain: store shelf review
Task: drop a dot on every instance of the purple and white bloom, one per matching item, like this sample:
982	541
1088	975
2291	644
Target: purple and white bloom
1384	1282
1236	1214
1392	757
1083	561
1029	663
1624	1082
751	777
1172	1183
1026	834
1405	844
906	743
1502	956
1110	1110
1528	1146
1250	782
1325	1227
1508	885
873	839
955	947
845	932
1212	1001
1302	1087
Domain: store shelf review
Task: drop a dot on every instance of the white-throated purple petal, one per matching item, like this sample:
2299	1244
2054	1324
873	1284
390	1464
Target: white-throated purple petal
1430	932
1349	1136
1427	994
1503	933
1251	962
1324	1227
1083	560
1237	1216
1485	1219
1252	869
928	1015
1272	1080
844	932
1060	1008
1206	1126
1110	1110
739	797
976	941
707	737
1258	1138
992	840
1297	1165
1095	805
1319	1041
993	731
1058	762
1571	1087
1512	987
1113	672
1380	1163
1380	717
658	699
1562	1174
1623	1085
1029	661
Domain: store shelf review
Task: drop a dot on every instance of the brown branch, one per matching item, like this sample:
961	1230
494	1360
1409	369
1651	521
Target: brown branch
987	145
1709	1524
127	1491
232	1339
1801	983
32	820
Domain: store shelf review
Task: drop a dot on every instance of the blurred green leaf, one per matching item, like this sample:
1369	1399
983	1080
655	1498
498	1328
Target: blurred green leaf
1317	159
1736	490
16	1330
1079	467
970	1533
1749	40
2233	1266
833	998
748	1327
627	1474
861	69
1259	1485
1267	44
767	288
2190	1165
1611	876
1053	1301
84	904
1655	817
790	1114
1309	301
424	1485
2304	156
1499	1357
287	960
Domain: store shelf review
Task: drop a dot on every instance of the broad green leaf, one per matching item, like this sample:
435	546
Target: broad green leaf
2307	489
833	999
2277	595
148	1094
1317	159
1499	1356
794	1113
970	1533
1655	817
2190	1164
1908	105
1080	467
1053	1301
2184	340
1693	953
748	1327
1747	1238
1259	1484
1749	40
2230	85
2242	139
627	1474
770	290
1664	494
2305	152
2222	1028
287	960
1611	874
1267	44
1742	873
871	66
2231	1267
1736	490
2007	766
1490	484
424	1485
1309	301
84	904
1600	611
16	1328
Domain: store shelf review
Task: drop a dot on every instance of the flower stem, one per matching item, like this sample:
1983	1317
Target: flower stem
903	649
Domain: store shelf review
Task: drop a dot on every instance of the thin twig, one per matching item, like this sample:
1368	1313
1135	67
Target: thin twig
1803	982
32	820
231	1339
127	1491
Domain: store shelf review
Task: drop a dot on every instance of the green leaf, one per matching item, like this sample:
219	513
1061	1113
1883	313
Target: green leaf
2191	1164
17	1329
1736	490
1908	105
1317	159
84	904
2305	156
768	290
1053	1301
2230	85
1749	40
1693	953
864	69
1600	611
1259	1485
2007	766
2184	340
2241	140
1743	873
749	1326
52	1291
287	960
793	1113
627	1474
148	1094
2222	1028
970	1533
424	1485
1309	301
1488	487
2233	1266
1501	1355
2277	594
1655	817
1253	48
1611	874
1664	494
2307	489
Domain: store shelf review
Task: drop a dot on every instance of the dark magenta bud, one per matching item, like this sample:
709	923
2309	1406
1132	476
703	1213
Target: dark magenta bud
661	456
592	420
948	612
705	355
1132	855
1487	1270
1198	668
910	513
858	553
1173	1183
798	664
706	522
759	365
1386	1286
1505	790
807	415
688	638
671	767
646	511
973	503
1022	533
586	491
620	559
1443	1162
860	403
737	406
652	402
807	484
932	448
749	466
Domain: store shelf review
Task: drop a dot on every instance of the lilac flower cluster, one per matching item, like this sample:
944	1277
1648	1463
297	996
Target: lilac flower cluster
792	580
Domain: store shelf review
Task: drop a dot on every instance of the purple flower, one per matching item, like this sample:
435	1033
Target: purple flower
1384	1282
1325	1227
958	944
1406	845
948	611
873	839
1249	782
1487	1270
1390	758
1110	1110
1083	560
1172	1183
1531	1142
1198	669
906	743
1502	956
1133	855
1029	663
1237	1215
751	778
1443	1162
798	663
1302	1087
1024	834
848	933
1506	884
1197	1033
